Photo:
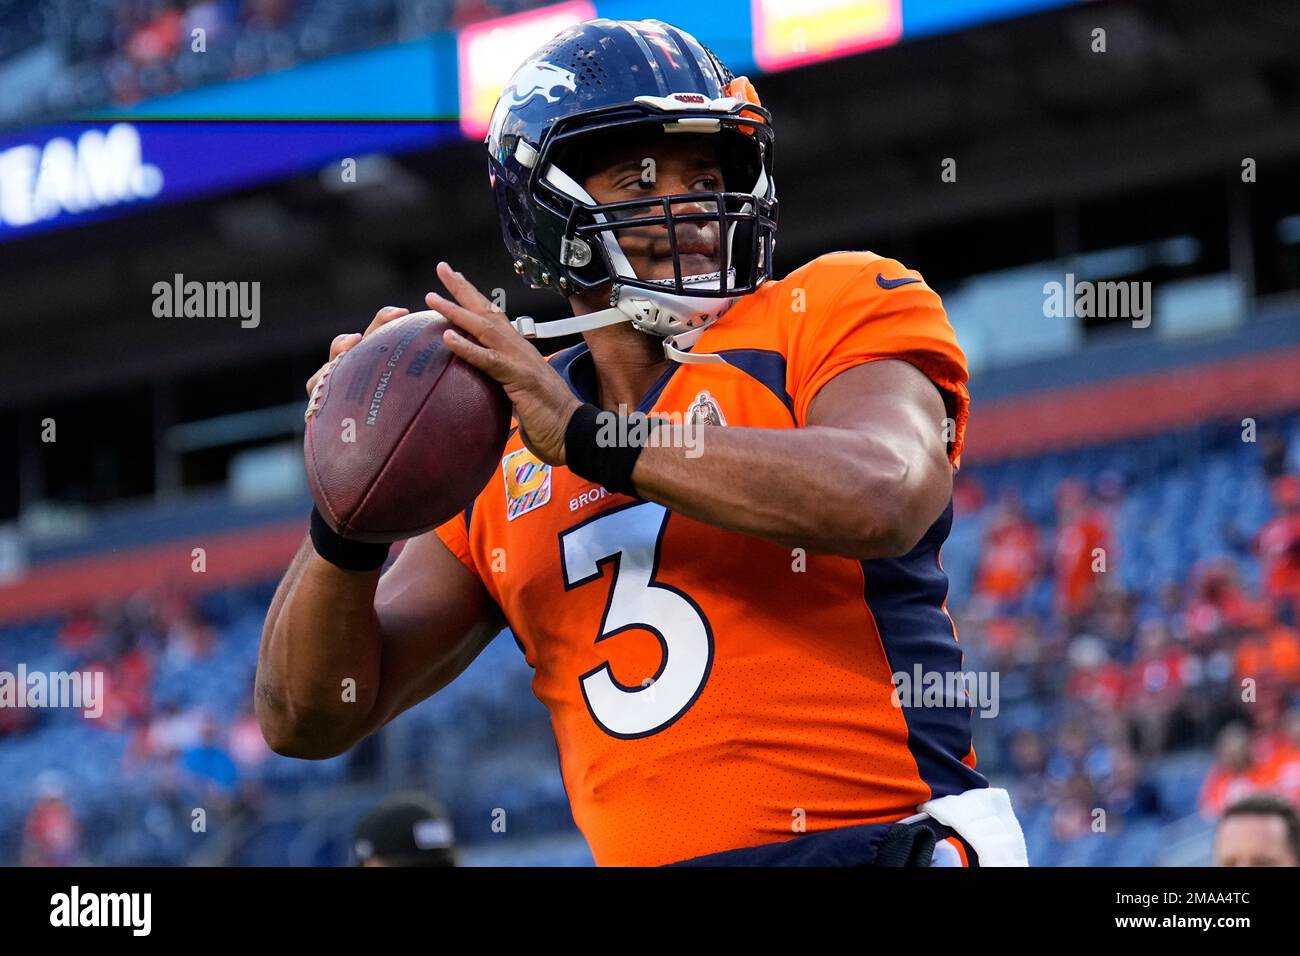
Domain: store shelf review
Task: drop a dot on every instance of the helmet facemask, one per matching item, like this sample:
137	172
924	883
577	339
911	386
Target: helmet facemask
587	232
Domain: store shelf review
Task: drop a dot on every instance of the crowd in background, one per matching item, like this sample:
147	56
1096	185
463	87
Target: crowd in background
1118	680
193	755
115	52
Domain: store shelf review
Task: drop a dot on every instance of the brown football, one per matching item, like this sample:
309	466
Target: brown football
401	434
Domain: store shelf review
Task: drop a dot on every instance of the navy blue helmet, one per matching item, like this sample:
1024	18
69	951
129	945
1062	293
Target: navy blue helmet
594	82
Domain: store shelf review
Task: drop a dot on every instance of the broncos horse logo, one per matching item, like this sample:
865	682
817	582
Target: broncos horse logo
539	79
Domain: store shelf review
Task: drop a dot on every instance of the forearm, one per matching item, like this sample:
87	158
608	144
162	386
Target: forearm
319	664
828	490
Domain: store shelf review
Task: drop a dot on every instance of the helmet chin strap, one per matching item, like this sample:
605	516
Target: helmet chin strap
631	308
686	340
530	328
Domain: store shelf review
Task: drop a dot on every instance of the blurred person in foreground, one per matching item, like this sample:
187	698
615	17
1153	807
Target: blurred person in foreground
405	830
1261	830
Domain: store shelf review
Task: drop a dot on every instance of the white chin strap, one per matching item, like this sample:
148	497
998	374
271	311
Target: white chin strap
645	312
674	344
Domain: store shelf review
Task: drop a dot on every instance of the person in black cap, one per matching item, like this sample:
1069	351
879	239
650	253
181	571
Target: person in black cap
405	830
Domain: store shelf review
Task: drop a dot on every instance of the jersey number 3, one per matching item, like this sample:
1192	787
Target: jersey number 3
629	538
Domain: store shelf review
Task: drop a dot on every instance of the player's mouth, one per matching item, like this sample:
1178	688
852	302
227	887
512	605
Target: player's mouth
696	255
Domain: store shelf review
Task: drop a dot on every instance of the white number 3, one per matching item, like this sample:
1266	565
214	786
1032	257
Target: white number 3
629	538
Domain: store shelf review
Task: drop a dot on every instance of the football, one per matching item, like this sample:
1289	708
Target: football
401	434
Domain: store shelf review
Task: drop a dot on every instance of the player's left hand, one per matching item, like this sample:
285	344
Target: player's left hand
543	402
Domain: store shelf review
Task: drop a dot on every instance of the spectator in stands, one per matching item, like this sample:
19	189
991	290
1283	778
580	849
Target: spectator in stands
51	833
1029	770
1157	681
1279	549
1171	607
1095	680
1272	451
190	637
405	830
1077	754
1259	830
1075	813
1271	658
1127	793
80	631
1083	548
1220	602
157	35
128	679
1112	620
209	768
1009	559
167	734
1233	776
1280	760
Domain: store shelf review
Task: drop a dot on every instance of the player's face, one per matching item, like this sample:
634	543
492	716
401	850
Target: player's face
663	167
1253	840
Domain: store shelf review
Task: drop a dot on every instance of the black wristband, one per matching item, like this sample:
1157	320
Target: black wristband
344	552
608	463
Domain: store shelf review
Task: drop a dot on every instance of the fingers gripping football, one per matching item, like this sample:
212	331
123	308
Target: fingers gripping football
348	340
542	401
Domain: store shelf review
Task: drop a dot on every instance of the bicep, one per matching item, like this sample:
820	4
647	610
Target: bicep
435	617
891	402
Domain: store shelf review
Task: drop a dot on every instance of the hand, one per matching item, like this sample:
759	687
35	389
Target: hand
348	340
543	402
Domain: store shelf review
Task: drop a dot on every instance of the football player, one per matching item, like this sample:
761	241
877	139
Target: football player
716	600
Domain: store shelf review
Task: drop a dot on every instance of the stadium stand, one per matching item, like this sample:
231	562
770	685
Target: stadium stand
68	57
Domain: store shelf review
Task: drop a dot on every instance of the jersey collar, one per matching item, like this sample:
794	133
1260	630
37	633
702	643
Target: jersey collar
576	367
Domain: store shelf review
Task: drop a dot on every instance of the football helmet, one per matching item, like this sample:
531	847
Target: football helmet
606	78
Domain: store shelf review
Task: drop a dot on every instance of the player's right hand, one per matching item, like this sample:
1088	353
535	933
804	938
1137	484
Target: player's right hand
349	340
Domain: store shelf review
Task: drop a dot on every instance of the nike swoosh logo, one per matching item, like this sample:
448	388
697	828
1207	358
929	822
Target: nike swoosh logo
892	283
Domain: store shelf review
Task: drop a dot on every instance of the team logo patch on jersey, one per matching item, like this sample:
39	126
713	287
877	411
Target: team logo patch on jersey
528	482
705	411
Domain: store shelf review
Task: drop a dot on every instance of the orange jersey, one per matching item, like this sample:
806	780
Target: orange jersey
709	690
